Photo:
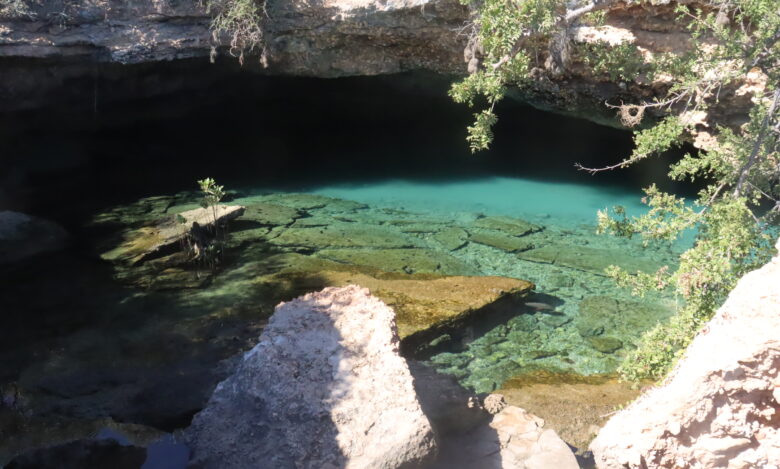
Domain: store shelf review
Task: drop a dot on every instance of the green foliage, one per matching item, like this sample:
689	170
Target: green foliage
241	21
212	193
208	249
481	133
619	62
739	203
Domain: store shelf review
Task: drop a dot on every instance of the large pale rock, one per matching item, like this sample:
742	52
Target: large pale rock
23	236
325	387
720	407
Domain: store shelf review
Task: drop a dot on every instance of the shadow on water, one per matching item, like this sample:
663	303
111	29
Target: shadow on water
78	347
455	336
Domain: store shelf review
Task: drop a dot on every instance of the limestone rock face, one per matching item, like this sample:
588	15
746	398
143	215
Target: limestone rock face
23	236
325	387
720	407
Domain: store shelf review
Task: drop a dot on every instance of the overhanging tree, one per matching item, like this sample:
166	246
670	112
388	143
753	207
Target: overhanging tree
733	45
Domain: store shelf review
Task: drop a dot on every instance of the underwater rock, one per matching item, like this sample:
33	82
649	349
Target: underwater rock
605	344
151	241
426	305
593	260
422	302
313	221
559	280
306	202
23	236
418	228
344	235
452	238
553	320
503	242
267	214
417	225
325	387
602	314
507	225
720	404
401	260
171	272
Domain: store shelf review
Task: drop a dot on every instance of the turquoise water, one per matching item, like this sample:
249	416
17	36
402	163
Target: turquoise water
146	343
536	340
565	203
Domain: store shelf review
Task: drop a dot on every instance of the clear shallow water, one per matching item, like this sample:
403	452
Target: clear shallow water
97	345
564	203
148	345
580	295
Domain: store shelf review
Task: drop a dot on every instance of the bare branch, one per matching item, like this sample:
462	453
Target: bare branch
595	5
622	164
757	145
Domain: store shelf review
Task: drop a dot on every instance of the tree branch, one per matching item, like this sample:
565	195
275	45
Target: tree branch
757	145
622	164
563	23
595	5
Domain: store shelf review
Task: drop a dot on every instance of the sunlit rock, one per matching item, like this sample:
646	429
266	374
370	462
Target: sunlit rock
423	302
720	406
325	387
150	241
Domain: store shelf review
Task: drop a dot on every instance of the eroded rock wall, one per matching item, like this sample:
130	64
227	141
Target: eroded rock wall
720	407
54	44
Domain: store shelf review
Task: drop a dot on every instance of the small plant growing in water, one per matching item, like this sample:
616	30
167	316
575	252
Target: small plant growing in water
204	245
213	194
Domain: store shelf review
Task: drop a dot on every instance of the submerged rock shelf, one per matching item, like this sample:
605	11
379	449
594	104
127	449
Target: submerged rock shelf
417	262
461	283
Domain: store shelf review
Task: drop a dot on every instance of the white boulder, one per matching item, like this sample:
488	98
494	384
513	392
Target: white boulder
720	407
324	388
